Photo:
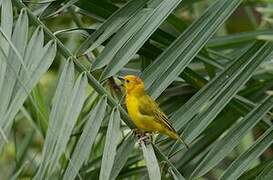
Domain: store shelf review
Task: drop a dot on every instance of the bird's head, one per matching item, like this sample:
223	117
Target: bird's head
133	84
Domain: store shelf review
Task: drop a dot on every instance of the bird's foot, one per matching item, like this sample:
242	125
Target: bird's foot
138	133
146	138
142	136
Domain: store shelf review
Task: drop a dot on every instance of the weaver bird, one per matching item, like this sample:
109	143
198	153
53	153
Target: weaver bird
144	111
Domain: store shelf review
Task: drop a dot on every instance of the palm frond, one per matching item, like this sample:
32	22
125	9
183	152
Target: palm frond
174	60
231	139
87	138
151	161
204	77
18	76
62	118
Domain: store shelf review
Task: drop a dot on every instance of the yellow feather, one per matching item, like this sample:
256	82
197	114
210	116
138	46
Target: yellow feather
144	111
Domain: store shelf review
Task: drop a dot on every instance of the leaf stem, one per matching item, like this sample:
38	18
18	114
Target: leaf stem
81	68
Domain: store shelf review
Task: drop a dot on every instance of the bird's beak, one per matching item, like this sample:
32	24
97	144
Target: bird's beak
122	80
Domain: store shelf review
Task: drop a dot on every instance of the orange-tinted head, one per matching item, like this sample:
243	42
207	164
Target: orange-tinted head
133	83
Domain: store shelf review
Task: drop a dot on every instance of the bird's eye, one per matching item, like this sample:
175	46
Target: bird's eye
127	81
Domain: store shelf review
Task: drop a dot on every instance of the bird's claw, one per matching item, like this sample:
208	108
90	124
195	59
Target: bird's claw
142	136
146	139
138	133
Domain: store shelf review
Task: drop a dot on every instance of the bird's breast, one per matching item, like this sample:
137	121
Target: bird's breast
132	107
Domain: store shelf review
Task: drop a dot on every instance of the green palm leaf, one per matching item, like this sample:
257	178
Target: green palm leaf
86	140
126	147
115	22
151	161
243	161
18	79
62	118
111	143
173	61
206	78
232	138
159	11
200	122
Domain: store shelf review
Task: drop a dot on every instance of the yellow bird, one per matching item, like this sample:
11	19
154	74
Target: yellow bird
144	111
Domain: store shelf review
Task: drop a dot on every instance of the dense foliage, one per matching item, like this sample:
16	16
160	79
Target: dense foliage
208	63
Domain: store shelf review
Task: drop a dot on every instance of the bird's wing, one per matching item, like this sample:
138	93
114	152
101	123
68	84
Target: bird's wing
149	107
